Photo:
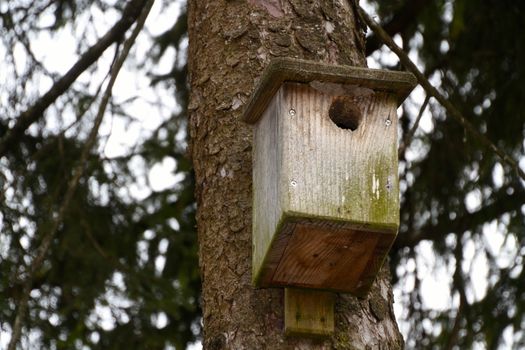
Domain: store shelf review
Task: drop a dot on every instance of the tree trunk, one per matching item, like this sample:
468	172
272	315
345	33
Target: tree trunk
230	44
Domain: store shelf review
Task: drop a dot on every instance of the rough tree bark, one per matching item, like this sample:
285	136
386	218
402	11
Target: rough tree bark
230	44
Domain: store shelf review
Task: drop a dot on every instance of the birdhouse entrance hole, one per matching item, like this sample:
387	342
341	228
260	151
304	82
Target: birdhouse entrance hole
345	113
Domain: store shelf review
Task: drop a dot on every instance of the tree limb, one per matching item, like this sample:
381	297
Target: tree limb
35	112
459	283
502	204
432	91
399	22
408	136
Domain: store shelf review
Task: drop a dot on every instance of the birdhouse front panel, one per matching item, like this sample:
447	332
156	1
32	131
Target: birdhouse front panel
326	195
334	172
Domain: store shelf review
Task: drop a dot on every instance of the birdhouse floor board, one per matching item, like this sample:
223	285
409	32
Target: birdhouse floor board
325	257
318	257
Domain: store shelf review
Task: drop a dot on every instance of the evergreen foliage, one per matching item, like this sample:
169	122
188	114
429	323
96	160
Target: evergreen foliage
458	197
105	258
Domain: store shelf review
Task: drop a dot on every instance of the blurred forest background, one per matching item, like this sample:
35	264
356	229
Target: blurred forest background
122	270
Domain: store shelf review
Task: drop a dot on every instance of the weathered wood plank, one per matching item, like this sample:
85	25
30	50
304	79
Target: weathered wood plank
268	211
308	312
295	70
337	174
333	259
325	255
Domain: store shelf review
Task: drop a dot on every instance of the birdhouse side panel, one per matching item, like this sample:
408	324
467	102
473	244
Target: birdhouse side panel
336	173
267	172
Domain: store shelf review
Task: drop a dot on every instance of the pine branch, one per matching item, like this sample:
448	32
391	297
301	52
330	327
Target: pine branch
432	91
399	22
501	203
459	283
77	174
35	112
408	137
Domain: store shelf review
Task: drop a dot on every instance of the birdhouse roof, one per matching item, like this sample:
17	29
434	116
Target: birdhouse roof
282	70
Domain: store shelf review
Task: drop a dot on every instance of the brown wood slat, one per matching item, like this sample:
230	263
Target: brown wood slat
327	259
308	312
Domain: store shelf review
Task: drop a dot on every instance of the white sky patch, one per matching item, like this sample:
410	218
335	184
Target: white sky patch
195	346
120	137
24	242
521	164
174	224
159	320
142	252
507	338
118	281
138	190
508	254
160	263
54	320
5	242
110	307
434	278
382	57
498	175
479	276
163	175
369	8
5	336
149	234
493	238
21	58
475	267
57	51
473	201
426	124
161	18
104	317
163	246
94	337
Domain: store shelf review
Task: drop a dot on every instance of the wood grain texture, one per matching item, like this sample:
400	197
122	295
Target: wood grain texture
333	259
308	312
324	255
318	188
338	174
267	172
281	70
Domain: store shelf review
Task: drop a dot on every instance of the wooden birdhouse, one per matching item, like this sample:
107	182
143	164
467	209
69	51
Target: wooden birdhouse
325	177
